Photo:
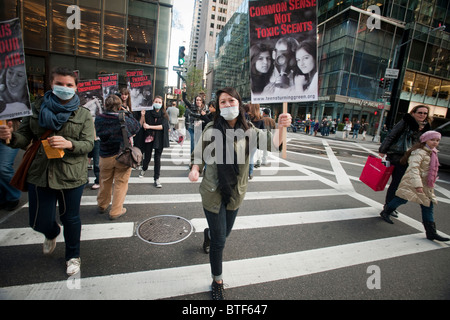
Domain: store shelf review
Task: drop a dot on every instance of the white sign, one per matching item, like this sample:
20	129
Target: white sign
391	73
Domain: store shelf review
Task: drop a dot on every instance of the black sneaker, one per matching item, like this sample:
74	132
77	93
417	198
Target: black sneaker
206	240
217	291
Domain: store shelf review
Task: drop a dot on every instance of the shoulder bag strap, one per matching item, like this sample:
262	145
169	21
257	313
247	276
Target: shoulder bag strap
126	142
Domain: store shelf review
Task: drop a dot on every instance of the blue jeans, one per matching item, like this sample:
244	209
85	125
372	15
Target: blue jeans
42	215
7	192
427	212
191	137
220	225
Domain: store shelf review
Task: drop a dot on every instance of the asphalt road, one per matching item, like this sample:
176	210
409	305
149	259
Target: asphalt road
308	230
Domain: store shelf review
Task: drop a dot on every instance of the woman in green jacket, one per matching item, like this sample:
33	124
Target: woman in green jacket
59	180
225	147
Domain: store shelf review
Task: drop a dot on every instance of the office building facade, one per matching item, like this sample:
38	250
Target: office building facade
110	36
354	51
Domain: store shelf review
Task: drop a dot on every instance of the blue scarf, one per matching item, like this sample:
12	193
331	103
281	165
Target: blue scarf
54	114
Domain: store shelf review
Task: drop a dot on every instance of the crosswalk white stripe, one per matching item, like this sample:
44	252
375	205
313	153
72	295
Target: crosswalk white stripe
171	282
275	178
26	236
166	283
293	218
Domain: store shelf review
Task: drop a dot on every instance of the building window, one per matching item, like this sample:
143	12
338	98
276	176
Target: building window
114	30
35	26
88	42
62	39
141	32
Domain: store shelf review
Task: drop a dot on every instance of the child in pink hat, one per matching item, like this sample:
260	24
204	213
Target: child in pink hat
417	185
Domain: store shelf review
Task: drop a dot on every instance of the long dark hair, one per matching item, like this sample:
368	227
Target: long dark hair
163	108
310	47
259	80
404	159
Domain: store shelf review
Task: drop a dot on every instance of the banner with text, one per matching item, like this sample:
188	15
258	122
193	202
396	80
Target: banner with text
90	93
283	51
14	95
141	92
110	84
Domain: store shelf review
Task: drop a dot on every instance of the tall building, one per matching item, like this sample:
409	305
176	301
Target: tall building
210	16
113	36
353	56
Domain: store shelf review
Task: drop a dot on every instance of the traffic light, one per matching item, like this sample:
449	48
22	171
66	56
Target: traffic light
381	83
387	83
181	55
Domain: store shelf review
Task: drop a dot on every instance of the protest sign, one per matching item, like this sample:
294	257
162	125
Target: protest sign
90	93
133	73
14	95
141	92
110	84
283	51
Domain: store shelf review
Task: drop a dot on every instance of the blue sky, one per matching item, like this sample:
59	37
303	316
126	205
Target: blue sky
181	33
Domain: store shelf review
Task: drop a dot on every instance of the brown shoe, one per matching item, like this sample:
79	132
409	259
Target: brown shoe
124	210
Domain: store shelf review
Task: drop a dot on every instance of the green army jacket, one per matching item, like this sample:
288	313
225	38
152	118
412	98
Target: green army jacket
71	170
204	153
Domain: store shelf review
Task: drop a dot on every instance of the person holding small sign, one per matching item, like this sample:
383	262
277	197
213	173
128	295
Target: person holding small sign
225	181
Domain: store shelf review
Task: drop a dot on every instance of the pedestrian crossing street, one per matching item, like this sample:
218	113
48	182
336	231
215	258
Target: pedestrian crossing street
291	184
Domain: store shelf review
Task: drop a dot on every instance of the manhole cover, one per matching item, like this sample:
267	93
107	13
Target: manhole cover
165	229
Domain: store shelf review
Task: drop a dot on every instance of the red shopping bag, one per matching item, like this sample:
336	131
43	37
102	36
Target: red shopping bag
375	174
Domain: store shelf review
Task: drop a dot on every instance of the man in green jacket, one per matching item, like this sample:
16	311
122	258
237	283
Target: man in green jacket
57	180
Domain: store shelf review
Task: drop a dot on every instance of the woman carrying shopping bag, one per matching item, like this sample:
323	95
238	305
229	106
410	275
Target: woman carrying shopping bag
417	184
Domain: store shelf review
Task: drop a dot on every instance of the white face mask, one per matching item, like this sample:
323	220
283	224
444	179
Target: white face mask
64	93
229	113
157	106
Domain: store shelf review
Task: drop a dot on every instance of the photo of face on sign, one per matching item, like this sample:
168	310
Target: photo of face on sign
14	98
283	51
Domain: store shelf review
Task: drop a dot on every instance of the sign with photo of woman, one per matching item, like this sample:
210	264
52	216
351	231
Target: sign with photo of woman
14	96
141	92
283	50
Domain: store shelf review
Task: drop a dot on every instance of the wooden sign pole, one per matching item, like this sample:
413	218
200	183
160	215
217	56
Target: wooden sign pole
284	134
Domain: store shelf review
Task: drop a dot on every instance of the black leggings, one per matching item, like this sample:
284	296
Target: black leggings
148	149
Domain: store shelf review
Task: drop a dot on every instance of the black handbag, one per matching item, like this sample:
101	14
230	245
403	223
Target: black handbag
404	142
129	155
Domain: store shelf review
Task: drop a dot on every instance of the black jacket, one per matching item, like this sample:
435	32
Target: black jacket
408	123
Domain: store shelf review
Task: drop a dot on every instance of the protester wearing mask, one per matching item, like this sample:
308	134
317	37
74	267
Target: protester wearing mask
60	180
156	137
225	181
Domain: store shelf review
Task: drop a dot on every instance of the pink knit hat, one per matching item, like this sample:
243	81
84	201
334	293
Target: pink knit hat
430	135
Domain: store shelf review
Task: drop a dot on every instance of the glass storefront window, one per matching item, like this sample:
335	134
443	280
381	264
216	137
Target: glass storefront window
432	90
114	30
163	45
35	26
8	10
408	81
419	88
443	96
141	32
88	42
62	39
